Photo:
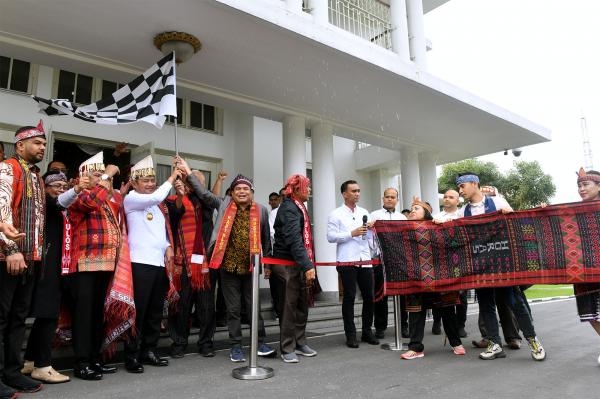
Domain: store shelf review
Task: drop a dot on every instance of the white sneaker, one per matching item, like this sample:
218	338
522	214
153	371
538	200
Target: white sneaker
537	350
493	351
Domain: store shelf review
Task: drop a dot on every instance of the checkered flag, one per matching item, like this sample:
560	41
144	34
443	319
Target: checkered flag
149	97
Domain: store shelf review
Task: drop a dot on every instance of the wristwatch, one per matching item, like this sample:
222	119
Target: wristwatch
104	177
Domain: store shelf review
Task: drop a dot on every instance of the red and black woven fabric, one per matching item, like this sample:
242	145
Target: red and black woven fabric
555	245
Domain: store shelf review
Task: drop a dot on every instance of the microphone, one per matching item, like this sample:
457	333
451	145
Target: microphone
365	218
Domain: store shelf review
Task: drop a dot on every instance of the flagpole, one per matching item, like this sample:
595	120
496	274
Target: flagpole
175	92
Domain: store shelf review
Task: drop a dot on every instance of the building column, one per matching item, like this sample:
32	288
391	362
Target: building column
294	5
428	178
323	188
409	170
294	146
416	32
399	22
320	10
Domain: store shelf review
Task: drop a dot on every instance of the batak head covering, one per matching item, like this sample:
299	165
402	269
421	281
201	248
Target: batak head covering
93	164
30	132
241	179
143	168
582	175
424	205
53	176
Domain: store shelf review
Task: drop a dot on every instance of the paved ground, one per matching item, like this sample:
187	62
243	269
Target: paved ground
570	370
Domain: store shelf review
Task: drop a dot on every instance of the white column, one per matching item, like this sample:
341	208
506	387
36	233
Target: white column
409	169
294	146
399	22
416	32
320	10
324	193
294	5
428	177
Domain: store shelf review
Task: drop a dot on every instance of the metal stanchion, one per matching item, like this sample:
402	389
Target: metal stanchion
397	344
252	371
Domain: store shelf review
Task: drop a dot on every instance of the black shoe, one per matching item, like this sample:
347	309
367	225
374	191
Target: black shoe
22	383
351	342
177	352
103	368
462	332
380	334
133	366
207	351
436	329
369	339
405	333
153	360
87	373
7	392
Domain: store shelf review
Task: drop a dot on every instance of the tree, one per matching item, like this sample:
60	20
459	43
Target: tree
487	171
524	186
527	186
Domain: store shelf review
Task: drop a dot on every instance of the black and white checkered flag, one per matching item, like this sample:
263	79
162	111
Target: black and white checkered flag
149	97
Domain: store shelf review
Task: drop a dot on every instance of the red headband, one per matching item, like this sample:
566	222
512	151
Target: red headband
29	133
424	205
583	176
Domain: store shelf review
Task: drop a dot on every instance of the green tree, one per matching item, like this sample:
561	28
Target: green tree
527	186
487	171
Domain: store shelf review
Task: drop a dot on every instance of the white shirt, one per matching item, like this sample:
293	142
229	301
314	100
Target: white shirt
272	216
147	236
446	216
340	224
382	214
478	208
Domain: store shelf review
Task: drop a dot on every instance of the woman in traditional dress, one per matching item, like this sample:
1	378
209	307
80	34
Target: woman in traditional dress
417	304
588	294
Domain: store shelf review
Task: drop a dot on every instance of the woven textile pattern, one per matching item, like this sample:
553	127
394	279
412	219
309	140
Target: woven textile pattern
555	245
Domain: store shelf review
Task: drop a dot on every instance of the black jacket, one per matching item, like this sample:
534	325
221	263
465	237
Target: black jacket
288	227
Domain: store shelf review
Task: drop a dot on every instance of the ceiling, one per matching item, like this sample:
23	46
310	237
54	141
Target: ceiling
270	66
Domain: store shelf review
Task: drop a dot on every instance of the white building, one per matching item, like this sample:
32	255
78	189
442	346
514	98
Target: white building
336	87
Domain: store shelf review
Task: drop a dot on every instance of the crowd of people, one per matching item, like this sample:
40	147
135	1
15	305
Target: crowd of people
81	254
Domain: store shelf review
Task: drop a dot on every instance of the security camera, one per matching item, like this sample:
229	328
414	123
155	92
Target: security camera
517	152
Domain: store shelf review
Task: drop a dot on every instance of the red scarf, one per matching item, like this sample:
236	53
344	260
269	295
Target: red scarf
306	232
67	244
190	246
225	230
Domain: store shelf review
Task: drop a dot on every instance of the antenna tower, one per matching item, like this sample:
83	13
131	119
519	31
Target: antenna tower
587	148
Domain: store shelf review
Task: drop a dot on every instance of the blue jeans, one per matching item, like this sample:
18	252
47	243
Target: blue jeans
487	309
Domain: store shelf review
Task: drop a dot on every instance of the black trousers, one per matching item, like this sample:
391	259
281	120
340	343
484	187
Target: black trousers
461	311
416	321
39	343
150	284
204	303
351	276
508	320
292	305
15	298
236	287
88	292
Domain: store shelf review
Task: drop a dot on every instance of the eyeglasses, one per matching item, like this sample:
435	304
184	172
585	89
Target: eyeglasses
58	186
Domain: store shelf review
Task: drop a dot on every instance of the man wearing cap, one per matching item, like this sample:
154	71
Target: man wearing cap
151	253
241	230
48	287
22	205
347	227
476	204
97	220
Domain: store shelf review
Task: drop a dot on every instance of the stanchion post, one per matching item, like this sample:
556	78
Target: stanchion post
397	344
252	371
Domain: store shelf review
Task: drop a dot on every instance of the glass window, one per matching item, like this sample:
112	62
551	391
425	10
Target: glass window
14	74
108	88
196	114
4	71
83	91
66	85
179	112
209	117
75	87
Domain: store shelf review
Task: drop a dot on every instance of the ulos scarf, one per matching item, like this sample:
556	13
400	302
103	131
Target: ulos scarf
225	231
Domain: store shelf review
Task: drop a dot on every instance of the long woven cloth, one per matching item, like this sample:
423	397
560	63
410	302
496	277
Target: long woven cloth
554	245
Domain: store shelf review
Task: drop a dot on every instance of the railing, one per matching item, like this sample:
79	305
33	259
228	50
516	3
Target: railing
369	19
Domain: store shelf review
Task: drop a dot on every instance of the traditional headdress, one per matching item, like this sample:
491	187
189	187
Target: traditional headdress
54	177
241	179
93	164
471	178
299	182
582	175
424	205
143	168
32	132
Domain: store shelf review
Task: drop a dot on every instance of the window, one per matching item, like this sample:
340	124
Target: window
202	116
14	74
179	112
107	88
75	87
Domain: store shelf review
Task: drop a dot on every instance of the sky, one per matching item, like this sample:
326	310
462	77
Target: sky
536	58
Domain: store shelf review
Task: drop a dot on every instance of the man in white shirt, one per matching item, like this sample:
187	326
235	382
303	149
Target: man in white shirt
347	227
150	251
380	306
476	204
